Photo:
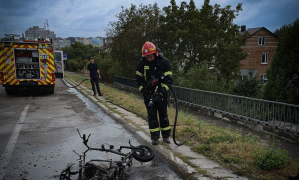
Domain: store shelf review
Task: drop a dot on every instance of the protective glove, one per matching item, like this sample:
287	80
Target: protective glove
158	98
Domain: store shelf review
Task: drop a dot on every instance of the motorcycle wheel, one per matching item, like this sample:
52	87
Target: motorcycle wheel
144	154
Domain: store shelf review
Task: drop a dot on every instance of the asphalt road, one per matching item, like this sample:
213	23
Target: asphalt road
38	134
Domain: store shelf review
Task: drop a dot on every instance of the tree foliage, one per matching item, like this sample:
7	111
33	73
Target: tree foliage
79	50
106	66
78	55
134	27
168	38
248	86
203	78
192	36
283	75
186	35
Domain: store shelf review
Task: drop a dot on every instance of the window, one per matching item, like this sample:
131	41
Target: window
263	78
261	41
264	58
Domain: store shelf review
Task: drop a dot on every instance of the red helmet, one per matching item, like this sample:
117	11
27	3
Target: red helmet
148	48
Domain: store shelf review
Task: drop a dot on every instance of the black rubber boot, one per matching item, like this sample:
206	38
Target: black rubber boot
154	142
167	140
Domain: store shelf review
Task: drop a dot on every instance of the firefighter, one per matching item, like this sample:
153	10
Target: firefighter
153	79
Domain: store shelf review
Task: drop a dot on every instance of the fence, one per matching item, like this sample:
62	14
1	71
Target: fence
275	114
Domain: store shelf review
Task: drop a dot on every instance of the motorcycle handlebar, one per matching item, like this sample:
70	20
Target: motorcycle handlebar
103	149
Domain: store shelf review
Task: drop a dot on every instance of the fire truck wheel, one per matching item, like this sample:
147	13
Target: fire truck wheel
51	90
9	92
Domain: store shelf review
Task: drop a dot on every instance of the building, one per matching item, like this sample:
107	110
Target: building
80	39
107	41
59	43
98	42
260	46
87	41
37	32
72	39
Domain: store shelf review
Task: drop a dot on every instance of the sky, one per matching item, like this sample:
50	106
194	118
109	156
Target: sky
90	18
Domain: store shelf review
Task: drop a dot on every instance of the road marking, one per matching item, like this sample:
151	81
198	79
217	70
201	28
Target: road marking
5	158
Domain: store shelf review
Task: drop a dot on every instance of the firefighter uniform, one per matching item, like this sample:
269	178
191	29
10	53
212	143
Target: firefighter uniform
154	79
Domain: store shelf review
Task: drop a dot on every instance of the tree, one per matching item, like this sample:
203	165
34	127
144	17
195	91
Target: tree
187	36
79	50
168	37
283	75
134	27
78	55
192	36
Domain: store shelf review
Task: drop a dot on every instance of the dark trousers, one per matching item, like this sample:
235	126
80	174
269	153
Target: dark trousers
95	81
162	126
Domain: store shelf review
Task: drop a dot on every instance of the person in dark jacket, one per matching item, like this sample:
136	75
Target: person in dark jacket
94	76
153	79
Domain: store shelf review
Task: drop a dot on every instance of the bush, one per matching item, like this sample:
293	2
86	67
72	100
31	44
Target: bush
203	78
107	67
74	64
248	86
271	158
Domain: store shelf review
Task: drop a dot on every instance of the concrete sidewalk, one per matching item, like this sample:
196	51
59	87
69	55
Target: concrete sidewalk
139	127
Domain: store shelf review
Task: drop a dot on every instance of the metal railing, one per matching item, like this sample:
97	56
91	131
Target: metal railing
275	114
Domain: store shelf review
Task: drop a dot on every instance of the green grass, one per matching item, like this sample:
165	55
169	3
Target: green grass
244	155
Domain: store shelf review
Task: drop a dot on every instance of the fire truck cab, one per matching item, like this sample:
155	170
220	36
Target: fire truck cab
26	65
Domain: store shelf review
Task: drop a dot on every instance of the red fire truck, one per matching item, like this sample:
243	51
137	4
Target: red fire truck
26	65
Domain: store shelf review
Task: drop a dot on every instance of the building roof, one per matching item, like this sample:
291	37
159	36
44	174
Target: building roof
254	30
104	47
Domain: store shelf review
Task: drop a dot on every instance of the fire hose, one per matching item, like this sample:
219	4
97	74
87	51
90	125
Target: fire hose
175	121
65	82
73	86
